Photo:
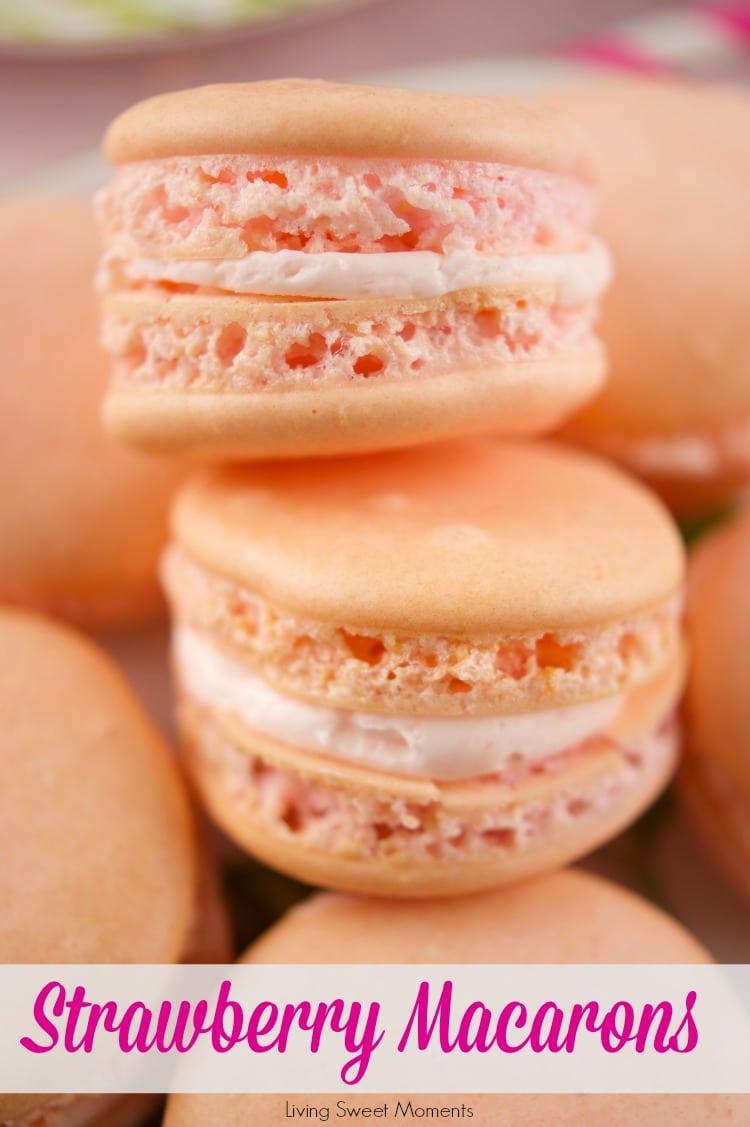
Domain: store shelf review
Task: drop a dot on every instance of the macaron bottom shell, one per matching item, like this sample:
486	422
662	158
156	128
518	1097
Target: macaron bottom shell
354	829
517	397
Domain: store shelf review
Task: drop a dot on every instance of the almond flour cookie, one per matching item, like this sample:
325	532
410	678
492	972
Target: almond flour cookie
426	672
567	917
303	268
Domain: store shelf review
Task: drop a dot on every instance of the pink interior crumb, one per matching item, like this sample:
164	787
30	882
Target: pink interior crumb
269	352
201	206
431	675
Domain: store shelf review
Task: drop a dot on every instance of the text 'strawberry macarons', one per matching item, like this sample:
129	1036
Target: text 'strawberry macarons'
426	672
99	859
715	777
301	268
673	160
567	917
82	521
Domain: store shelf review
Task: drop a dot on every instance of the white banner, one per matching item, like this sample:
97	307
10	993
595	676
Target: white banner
374	1029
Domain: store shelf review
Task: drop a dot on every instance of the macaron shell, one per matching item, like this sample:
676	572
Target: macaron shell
565	917
717	706
96	833
324	377
717	826
674	164
467	538
305	117
515	397
510	829
83	520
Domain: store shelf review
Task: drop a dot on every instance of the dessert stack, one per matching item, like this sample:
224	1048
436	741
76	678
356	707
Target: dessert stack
421	651
404	666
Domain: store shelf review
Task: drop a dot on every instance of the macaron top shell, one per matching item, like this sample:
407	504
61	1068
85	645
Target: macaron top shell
459	539
718	624
307	117
96	833
564	917
673	160
82	519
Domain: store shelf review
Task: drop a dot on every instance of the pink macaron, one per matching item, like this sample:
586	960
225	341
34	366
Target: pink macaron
673	159
300	268
714	782
101	861
430	671
566	917
82	520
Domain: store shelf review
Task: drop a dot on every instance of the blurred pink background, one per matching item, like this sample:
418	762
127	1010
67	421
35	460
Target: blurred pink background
50	106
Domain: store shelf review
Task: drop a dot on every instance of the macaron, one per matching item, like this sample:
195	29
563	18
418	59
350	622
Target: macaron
690	886
83	520
300	268
566	917
425	672
715	777
673	159
100	862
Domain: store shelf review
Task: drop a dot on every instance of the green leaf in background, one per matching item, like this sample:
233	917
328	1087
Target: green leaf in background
692	528
102	21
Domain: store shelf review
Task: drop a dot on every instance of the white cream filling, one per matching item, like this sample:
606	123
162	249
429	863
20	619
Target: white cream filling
432	747
578	277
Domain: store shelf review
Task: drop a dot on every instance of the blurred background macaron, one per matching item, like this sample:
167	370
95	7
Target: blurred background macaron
82	520
673	160
426	672
566	917
714	782
101	855
86	785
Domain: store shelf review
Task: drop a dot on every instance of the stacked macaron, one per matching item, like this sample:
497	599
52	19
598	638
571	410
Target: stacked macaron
429	671
301	268
412	673
411	660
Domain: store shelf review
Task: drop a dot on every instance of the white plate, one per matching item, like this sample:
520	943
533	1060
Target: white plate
74	28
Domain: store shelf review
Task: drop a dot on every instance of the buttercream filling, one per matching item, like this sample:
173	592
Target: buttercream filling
578	277
433	747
